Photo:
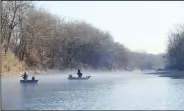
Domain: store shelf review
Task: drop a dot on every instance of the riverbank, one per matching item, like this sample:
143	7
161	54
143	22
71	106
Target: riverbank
66	71
30	72
174	73
168	73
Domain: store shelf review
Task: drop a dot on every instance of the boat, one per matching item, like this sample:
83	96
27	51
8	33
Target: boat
77	78
28	81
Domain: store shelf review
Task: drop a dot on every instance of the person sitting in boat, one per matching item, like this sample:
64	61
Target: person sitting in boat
70	76
33	78
25	76
79	74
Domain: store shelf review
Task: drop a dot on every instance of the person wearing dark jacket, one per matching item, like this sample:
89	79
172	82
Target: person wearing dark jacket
33	78
25	76
79	74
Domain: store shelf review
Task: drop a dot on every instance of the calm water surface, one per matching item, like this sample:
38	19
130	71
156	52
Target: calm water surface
120	90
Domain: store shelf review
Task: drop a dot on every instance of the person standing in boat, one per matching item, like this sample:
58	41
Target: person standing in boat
79	74
25	76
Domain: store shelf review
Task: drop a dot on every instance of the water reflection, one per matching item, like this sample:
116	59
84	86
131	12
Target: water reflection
63	95
27	93
130	91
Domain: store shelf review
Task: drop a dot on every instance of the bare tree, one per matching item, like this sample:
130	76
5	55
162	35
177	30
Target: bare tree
11	11
175	51
47	41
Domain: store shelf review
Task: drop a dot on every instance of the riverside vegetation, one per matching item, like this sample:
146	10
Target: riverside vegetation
36	39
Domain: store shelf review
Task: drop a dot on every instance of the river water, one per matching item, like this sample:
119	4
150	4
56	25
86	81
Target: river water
117	91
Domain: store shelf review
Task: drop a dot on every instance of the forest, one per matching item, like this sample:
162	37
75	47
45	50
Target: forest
175	49
45	41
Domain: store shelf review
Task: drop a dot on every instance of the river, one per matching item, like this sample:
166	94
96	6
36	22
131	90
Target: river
117	91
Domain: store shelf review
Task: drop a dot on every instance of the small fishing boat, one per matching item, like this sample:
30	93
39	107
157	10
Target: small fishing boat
77	78
28	81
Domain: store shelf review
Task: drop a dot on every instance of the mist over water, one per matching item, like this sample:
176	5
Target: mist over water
110	90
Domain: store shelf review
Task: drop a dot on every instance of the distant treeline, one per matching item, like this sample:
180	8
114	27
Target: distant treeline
175	49
46	41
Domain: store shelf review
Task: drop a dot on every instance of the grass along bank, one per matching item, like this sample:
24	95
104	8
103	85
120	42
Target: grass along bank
11	65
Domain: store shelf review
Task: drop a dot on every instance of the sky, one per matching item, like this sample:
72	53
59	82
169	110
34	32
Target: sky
141	26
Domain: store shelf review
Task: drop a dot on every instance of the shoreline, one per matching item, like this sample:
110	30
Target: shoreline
50	71
169	73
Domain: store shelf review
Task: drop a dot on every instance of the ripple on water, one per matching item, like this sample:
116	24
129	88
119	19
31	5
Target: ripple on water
131	91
